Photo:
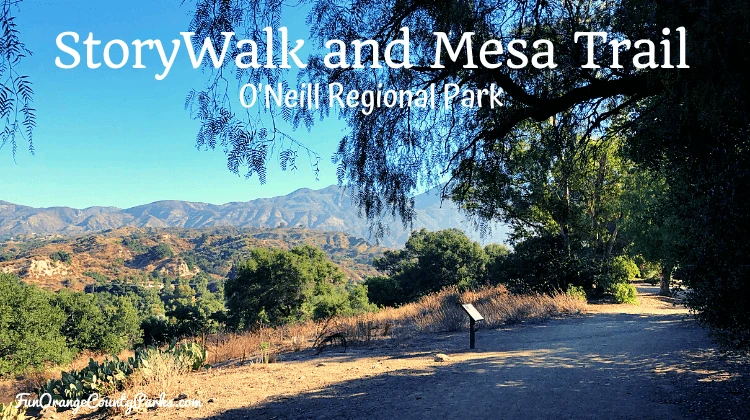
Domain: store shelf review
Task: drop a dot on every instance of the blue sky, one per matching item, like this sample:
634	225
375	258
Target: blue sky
120	137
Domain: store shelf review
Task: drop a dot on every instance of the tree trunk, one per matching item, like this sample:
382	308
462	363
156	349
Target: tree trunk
666	279
611	242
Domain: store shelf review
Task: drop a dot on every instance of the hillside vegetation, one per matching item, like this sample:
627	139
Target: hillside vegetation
134	254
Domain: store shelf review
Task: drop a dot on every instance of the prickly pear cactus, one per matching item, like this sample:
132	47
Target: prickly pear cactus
11	412
102	378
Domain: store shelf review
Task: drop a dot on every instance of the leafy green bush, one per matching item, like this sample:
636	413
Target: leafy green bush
576	292
98	277
277	287
97	322
160	252
617	271
384	290
625	293
626	268
543	265
62	256
429	262
134	244
497	255
30	328
330	301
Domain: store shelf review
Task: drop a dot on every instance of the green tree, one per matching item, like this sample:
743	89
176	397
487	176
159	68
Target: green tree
276	287
123	323
694	122
99	322
62	256
655	225
497	256
160	252
555	181
85	326
191	309
429	262
543	264
30	328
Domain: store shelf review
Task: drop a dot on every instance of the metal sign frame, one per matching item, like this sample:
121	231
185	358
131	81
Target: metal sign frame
474	317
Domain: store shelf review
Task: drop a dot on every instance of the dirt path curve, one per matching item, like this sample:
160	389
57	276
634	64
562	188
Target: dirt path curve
619	362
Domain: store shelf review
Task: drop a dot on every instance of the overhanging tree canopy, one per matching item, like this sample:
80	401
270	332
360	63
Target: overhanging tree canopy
16	94
392	153
690	123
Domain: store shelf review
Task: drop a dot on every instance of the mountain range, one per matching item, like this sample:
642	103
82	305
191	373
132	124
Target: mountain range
327	209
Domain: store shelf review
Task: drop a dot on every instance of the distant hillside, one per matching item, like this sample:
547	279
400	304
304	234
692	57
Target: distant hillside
129	254
329	209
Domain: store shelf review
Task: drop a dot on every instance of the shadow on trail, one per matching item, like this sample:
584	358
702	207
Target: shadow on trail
598	366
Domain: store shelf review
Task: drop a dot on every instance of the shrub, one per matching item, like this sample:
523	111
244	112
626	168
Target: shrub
278	287
157	330
627	266
30	328
134	244
497	255
576	292
98	277
619	270
330	301
160	252
543	265
97	322
429	262
62	256
358	300
625	293
384	290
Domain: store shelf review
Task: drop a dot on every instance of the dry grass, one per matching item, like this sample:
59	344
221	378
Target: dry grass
163	375
437	312
434	313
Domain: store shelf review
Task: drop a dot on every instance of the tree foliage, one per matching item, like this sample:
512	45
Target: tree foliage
555	181
30	328
61	256
16	93
689	125
392	153
97	322
275	287
192	309
160	252
429	262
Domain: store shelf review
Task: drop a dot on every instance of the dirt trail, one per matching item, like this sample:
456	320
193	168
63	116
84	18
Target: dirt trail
618	362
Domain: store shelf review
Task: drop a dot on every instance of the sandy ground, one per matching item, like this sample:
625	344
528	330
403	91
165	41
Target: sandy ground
616	362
